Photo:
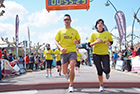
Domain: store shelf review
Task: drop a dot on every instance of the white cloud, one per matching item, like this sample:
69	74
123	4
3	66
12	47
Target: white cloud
6	30
84	32
12	9
75	20
129	29
44	18
48	37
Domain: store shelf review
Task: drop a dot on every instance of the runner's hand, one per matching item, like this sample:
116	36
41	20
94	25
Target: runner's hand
63	50
108	43
76	42
99	40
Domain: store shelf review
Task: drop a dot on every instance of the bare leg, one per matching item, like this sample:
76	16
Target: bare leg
100	78
57	67
60	69
78	68
50	70
72	73
47	70
65	68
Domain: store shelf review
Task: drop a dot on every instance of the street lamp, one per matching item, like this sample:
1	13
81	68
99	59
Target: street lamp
108	3
133	28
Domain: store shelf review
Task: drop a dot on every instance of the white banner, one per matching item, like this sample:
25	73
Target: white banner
8	69
119	64
135	64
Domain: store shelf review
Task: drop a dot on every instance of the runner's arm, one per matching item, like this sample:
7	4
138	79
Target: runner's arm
63	50
58	44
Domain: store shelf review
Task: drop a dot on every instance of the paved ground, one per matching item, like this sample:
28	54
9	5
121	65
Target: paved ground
79	91
84	81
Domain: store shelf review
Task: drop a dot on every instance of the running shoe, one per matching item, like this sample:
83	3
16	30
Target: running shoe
50	75
101	89
107	76
70	89
59	74
47	75
67	75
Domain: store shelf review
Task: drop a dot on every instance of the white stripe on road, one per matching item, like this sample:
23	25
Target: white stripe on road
21	92
137	89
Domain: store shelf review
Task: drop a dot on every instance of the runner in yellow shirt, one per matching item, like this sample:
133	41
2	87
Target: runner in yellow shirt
49	59
66	40
101	39
58	60
78	60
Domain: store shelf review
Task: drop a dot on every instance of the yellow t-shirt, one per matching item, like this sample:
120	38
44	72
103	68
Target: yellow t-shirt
100	48
78	56
47	55
58	53
66	38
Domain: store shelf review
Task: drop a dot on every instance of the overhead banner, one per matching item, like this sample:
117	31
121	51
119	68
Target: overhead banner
121	24
17	34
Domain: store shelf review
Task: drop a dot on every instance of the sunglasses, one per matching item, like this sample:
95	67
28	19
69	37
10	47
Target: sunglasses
67	19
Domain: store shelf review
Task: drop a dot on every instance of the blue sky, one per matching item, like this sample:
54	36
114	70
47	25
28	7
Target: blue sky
44	25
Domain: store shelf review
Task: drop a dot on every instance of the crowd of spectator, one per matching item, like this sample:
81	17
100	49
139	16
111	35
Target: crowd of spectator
125	56
28	62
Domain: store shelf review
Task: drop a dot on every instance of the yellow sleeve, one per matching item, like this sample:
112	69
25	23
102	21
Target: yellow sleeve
57	37
77	36
110	37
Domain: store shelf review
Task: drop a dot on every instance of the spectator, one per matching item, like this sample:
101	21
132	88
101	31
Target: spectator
20	60
115	57
5	54
36	62
126	63
121	57
27	61
138	50
10	58
0	66
133	52
125	53
31	61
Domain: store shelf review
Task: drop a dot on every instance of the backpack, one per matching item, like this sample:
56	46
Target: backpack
31	58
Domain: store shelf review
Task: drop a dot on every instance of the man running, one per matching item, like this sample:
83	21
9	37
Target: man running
66	40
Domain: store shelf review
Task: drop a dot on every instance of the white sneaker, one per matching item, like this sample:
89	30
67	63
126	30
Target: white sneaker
47	75
70	89
107	76
101	89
